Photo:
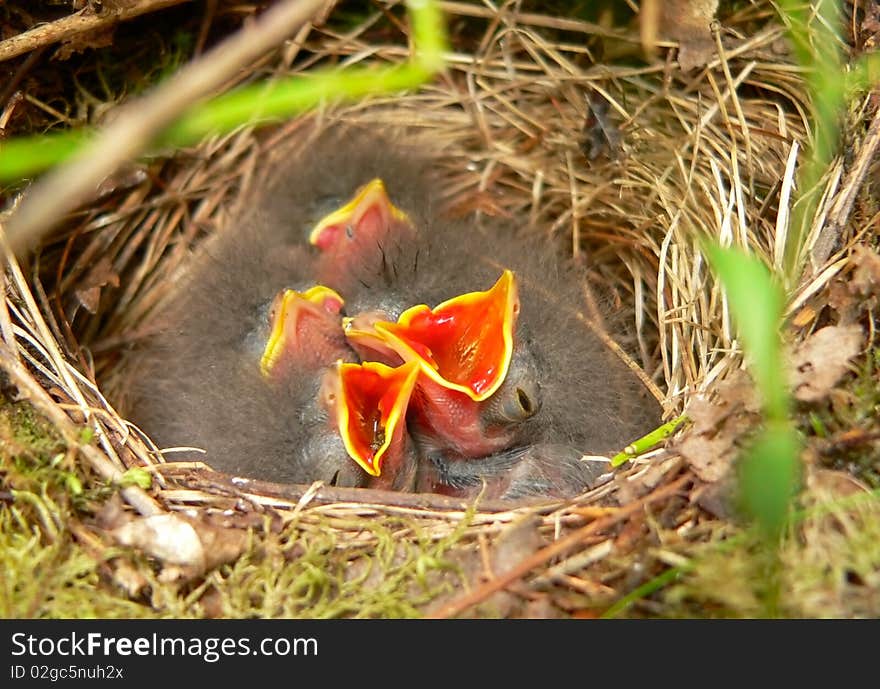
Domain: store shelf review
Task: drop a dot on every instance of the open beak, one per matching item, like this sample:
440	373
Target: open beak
292	317
371	401
463	344
367	214
370	344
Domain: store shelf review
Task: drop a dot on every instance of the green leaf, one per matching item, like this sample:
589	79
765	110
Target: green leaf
73	484
646	442
136	476
769	477
259	103
756	304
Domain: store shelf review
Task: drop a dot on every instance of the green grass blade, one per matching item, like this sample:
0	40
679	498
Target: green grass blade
260	103
265	103
815	33
646	442
768	471
22	157
756	303
769	476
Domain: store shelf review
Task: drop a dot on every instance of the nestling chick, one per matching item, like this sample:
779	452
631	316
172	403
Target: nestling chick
496	373
562	387
264	380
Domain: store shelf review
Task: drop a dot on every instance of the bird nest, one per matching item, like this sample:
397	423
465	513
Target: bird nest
625	165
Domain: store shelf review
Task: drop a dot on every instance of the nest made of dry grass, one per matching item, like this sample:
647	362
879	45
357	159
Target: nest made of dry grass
702	153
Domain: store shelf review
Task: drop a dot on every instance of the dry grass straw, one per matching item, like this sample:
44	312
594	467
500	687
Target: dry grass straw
706	153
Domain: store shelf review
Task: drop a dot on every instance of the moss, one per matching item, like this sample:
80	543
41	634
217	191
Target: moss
309	572
843	429
55	579
828	566
35	463
313	567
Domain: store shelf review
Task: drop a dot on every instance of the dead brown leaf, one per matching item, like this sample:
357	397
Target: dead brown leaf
821	360
710	458
870	28
181	542
719	420
735	394
850	297
517	542
732	410
840	484
80	42
841	299
489	560
718	499
688	22
866	276
100	276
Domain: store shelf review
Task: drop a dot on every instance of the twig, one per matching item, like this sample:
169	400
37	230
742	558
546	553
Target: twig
207	18
553	550
212	481
75	24
842	208
20	73
141	120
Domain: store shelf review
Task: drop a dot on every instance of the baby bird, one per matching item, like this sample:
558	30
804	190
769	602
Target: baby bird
564	393
530	471
364	403
262	378
350	238
464	348
478	368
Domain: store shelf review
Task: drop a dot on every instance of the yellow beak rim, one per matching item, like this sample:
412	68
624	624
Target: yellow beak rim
372	401
371	195
287	308
487	318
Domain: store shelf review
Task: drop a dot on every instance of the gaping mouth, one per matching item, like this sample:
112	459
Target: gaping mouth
371	401
465	343
371	345
364	215
291	315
